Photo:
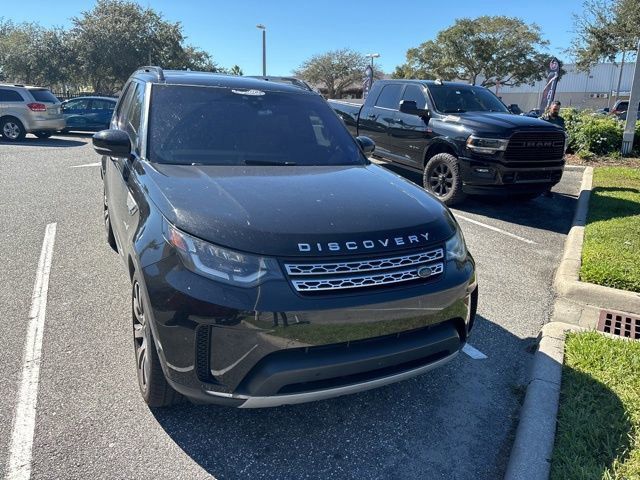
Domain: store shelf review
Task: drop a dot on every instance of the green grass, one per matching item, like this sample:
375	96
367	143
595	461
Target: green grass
598	434
611	250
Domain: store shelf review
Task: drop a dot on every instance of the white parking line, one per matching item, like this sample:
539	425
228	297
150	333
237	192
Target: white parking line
86	165
473	352
496	229
19	467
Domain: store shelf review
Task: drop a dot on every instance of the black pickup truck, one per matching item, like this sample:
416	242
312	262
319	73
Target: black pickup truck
462	137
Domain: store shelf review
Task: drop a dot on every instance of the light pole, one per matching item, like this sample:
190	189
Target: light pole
372	56
264	48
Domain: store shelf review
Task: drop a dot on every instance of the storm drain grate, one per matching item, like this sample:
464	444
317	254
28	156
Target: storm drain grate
621	324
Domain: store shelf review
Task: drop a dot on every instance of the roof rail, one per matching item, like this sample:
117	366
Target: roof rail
158	71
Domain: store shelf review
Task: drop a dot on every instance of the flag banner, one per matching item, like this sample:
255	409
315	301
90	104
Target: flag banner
549	92
367	81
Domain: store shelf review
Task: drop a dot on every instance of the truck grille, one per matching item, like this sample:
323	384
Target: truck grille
528	146
376	272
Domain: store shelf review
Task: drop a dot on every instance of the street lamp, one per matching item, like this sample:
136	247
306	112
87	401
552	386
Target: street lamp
264	48
372	56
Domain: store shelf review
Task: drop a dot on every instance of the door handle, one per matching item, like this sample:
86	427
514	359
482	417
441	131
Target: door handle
371	116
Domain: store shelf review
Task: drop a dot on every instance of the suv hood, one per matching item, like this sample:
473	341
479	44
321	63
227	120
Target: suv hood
298	211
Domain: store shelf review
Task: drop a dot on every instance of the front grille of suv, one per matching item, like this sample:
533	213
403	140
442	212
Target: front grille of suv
531	146
344	276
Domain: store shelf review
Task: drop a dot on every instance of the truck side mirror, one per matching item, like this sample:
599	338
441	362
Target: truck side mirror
411	108
366	144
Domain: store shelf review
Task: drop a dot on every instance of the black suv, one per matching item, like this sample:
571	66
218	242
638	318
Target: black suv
271	263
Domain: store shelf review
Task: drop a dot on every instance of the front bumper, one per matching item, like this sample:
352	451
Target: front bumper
271	346
482	176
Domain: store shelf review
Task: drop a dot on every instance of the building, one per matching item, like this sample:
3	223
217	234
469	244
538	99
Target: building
593	89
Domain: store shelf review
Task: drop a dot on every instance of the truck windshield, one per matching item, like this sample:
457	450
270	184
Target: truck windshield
463	98
201	125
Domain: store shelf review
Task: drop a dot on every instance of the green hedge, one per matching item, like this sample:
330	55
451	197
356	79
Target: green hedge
595	135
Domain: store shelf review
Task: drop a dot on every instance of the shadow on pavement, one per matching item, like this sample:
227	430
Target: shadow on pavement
553	213
453	422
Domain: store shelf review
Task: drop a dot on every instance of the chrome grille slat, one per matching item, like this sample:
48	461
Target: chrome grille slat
319	284
300	269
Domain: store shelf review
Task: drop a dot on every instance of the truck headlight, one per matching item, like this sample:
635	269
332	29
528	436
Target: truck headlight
456	247
486	145
218	263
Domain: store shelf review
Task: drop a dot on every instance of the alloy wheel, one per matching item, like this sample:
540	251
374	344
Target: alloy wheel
441	179
11	130
141	337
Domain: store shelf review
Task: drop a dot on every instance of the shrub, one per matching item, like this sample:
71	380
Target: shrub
599	134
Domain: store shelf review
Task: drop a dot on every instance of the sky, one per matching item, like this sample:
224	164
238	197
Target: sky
296	30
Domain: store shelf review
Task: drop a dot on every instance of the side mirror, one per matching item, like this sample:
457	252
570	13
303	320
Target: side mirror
113	143
366	144
411	108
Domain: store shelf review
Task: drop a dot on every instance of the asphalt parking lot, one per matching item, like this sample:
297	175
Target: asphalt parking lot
455	422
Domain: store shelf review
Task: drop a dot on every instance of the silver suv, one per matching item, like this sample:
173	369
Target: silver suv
26	109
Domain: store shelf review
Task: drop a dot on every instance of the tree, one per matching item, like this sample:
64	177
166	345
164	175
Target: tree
118	36
605	30
32	54
489	50
335	70
236	70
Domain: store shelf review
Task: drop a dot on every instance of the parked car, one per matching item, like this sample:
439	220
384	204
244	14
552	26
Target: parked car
262	271
26	109
515	109
602	111
460	137
88	113
620	109
534	113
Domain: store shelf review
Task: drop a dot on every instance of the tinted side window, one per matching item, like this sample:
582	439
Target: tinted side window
134	113
123	103
389	96
81	104
102	105
10	96
414	92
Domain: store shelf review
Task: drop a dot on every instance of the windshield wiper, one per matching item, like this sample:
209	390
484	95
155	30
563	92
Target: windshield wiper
458	110
268	162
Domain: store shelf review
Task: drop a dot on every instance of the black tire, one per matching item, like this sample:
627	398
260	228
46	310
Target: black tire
442	178
153	385
43	134
111	239
12	129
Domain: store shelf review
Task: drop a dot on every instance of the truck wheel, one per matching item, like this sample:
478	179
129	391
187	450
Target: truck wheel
154	387
442	178
111	239
12	129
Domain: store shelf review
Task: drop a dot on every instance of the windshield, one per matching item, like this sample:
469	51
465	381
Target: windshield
222	126
463	98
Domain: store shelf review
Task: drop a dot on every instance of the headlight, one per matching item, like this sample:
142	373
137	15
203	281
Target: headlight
456	247
218	263
486	145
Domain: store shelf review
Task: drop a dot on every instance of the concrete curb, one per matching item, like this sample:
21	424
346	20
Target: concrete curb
567	280
533	446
